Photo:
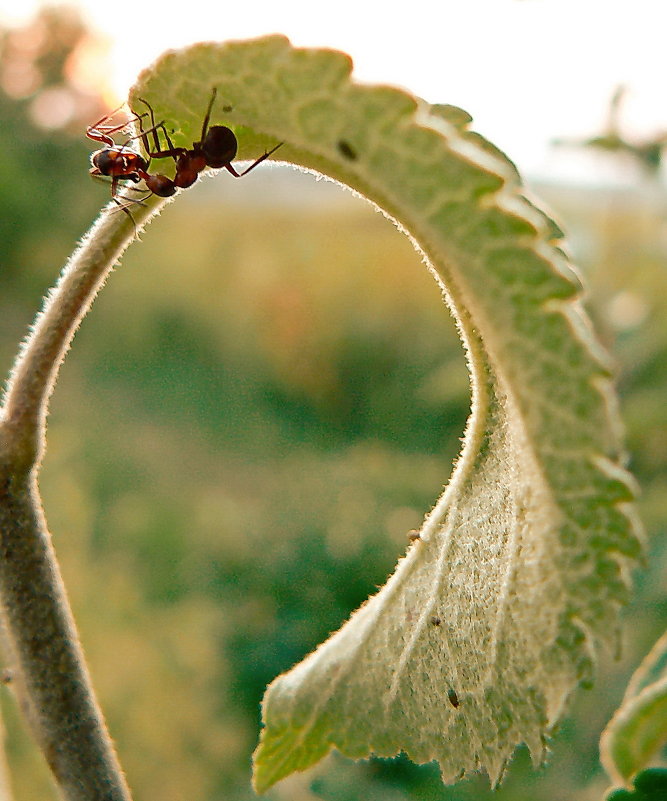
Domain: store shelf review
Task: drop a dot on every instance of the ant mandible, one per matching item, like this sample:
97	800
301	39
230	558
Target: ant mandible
216	148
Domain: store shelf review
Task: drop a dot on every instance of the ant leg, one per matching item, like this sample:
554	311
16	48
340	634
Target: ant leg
105	179
125	210
103	134
231	169
126	203
207	117
115	180
99	136
158	153
107	116
170	152
153	129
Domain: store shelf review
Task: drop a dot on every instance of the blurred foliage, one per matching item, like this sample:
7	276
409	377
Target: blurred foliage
265	399
43	148
649	785
648	153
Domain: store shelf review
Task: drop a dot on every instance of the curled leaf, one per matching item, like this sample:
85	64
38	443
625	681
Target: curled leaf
524	560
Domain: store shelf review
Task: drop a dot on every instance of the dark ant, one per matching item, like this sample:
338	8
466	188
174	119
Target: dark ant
216	148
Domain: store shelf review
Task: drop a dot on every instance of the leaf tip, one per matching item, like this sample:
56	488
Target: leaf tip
281	751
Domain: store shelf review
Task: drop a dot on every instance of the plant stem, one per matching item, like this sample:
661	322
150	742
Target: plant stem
49	672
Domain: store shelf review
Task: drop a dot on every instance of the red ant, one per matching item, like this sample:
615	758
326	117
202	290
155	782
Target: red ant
124	163
216	148
116	162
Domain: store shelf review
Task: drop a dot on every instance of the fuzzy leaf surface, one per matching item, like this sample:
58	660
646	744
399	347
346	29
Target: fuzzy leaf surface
523	562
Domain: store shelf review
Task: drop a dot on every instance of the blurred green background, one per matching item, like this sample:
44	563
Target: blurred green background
265	398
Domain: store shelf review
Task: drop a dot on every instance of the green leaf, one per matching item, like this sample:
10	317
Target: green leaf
620	794
652	781
523	562
638	729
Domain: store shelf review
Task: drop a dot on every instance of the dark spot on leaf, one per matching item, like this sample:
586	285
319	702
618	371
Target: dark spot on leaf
347	150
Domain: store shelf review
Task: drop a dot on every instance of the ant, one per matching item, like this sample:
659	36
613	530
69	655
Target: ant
116	162
216	148
122	162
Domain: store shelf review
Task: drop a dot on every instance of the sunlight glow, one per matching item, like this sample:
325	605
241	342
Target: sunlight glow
527	70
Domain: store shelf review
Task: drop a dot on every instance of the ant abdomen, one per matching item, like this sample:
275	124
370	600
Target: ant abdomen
102	161
219	146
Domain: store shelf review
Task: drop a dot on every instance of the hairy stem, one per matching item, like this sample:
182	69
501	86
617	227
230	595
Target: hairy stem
41	641
25	404
5	784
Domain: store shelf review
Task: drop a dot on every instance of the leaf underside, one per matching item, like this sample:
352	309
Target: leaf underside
493	616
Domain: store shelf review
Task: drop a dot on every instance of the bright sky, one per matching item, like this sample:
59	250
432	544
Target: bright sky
527	70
